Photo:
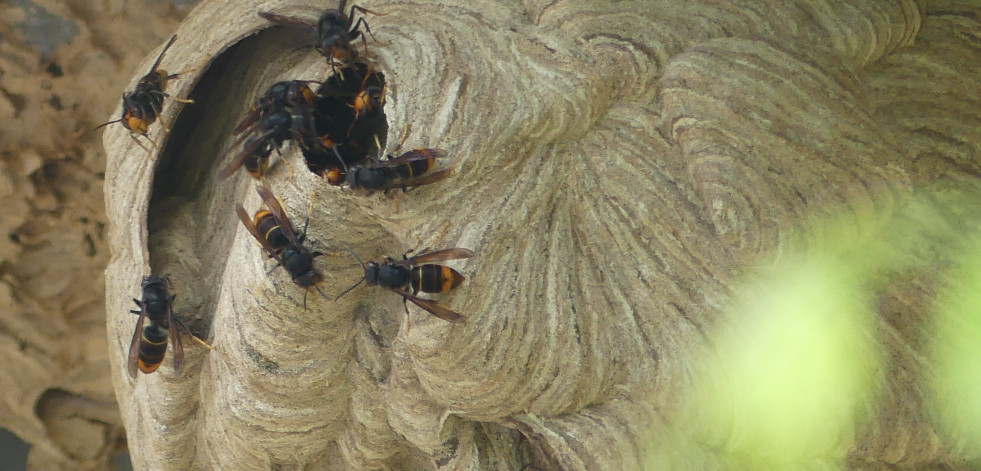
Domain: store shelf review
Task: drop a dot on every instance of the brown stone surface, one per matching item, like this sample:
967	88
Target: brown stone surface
63	66
614	166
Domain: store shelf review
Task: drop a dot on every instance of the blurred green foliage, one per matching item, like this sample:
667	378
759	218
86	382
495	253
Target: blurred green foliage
791	377
956	354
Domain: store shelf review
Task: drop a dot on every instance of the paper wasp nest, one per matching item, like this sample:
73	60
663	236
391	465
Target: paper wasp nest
614	166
